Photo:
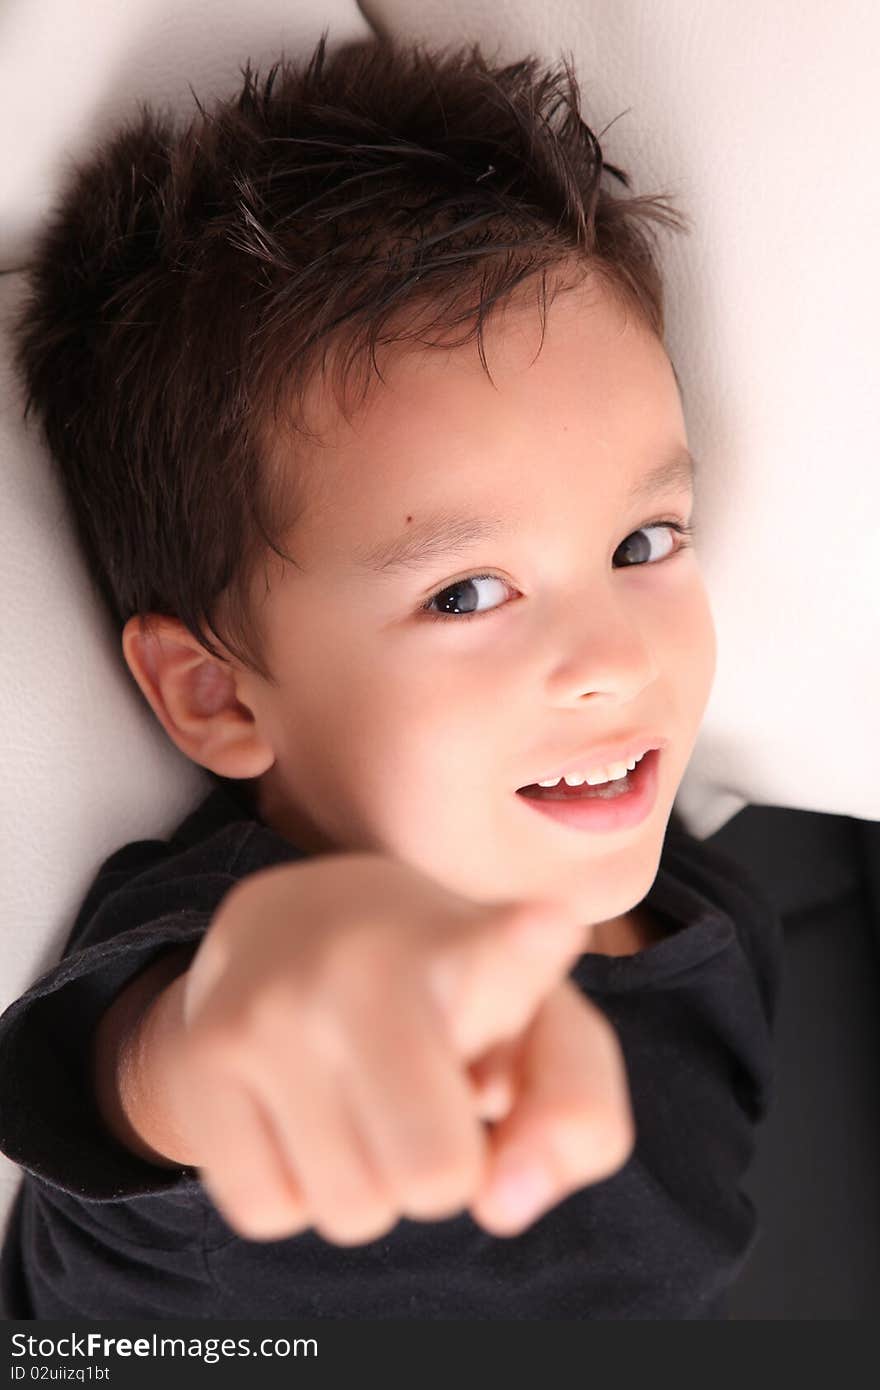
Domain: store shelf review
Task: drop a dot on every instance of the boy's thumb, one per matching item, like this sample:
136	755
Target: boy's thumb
490	976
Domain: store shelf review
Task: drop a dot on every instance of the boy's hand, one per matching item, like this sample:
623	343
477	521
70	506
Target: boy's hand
344	1029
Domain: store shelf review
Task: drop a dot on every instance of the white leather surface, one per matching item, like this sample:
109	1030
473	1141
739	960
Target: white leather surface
763	121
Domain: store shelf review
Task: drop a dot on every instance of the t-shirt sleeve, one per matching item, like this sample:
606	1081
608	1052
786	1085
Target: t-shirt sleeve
137	909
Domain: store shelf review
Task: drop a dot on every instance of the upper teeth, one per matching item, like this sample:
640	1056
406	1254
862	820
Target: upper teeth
596	776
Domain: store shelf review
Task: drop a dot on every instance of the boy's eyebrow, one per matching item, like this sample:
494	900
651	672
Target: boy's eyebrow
444	533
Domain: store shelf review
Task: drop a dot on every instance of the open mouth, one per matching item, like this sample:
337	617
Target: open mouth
606	791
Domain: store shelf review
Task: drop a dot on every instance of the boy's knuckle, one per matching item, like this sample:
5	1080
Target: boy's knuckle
270	1012
230	1039
358	1224
438	1186
212	1048
366	950
321	1032
241	1033
264	1221
593	1143
349	966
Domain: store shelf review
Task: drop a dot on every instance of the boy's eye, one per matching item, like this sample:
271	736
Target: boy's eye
461	600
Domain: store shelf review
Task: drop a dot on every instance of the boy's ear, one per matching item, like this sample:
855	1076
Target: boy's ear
194	697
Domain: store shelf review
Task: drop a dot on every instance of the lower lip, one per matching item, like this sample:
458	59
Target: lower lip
592	813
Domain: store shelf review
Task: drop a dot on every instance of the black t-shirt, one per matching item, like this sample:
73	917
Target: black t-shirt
97	1232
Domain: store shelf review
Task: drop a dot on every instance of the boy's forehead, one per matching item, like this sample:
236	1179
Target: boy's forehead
412	345
421	386
434	421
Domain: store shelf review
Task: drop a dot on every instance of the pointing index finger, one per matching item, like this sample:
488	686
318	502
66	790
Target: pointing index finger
571	1123
489	976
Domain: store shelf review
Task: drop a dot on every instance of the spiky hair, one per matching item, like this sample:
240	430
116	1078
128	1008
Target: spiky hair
195	279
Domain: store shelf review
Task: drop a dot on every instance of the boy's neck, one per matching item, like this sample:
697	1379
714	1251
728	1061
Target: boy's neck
625	935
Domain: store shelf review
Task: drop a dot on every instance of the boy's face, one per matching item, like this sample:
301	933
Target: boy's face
396	731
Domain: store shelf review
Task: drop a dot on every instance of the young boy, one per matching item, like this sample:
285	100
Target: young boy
427	1010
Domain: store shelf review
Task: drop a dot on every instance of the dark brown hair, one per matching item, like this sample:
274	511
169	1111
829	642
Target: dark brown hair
194	281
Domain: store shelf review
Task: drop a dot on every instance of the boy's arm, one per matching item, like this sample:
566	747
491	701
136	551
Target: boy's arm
136	1041
134	1045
